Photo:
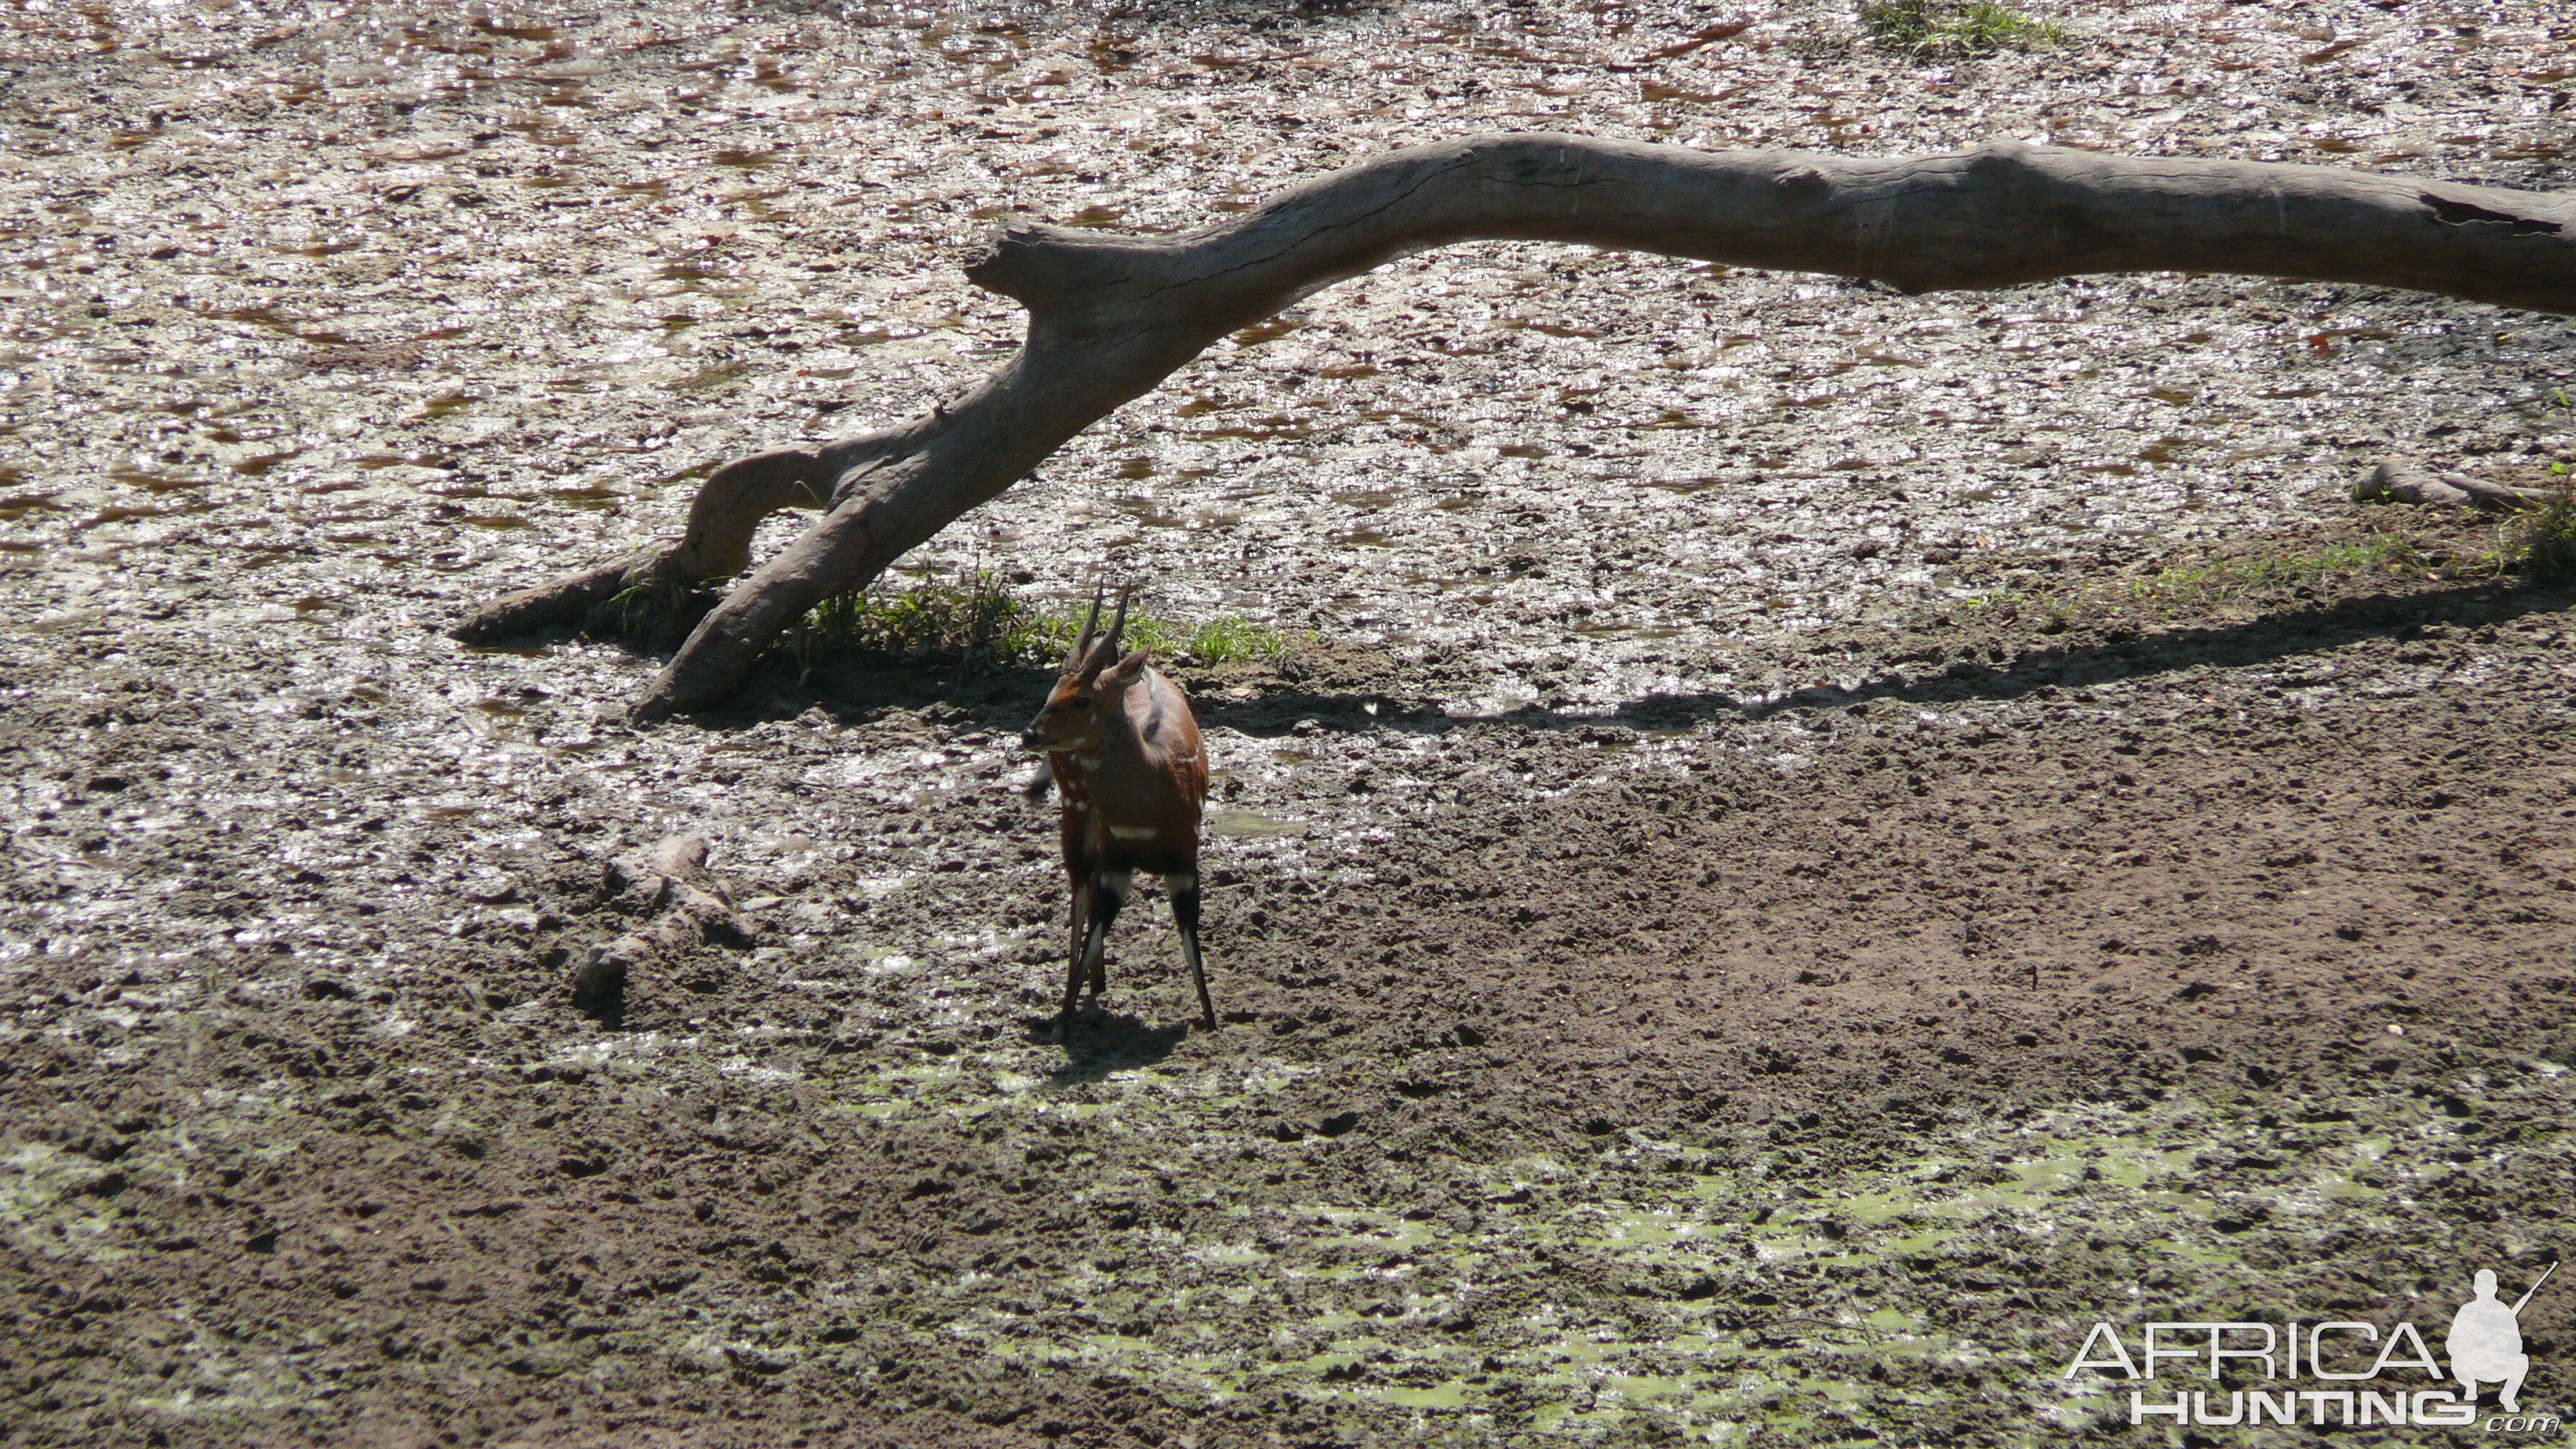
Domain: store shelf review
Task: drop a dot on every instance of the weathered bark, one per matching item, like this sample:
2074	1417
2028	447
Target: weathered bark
690	906
2399	482
1111	316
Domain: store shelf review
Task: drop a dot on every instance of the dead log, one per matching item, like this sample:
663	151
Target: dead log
2397	482
1110	316
690	907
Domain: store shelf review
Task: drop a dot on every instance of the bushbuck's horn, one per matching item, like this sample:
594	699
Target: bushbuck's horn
1082	645
1118	626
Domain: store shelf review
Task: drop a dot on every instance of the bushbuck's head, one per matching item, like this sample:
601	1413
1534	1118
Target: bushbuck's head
1094	682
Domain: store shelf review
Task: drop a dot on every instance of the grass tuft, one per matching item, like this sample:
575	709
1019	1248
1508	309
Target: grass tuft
1947	27
1226	639
653	607
2543	542
976	615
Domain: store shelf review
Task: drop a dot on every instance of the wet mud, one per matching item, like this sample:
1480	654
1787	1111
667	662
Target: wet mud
1816	842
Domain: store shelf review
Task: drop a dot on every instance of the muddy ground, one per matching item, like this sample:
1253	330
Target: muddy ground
1814	843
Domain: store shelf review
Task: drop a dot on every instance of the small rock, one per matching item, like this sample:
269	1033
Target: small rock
491	888
600	978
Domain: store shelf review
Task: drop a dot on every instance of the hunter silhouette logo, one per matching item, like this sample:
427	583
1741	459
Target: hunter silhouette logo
2352	1362
2486	1341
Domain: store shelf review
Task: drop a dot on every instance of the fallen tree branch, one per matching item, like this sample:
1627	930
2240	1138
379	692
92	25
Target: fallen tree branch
2396	482
1111	316
691	906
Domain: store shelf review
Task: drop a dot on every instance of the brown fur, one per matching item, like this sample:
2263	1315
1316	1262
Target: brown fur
1126	755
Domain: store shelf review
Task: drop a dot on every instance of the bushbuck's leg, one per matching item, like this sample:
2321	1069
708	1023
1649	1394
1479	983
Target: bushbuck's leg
1184	887
1072	994
1108	895
1073	955
1081	919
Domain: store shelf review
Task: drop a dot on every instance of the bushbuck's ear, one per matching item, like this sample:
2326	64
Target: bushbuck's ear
1125	672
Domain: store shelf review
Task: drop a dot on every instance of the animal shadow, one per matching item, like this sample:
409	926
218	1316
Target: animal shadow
1098	1044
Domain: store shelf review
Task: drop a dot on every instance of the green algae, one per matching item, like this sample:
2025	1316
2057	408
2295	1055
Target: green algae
1695	1358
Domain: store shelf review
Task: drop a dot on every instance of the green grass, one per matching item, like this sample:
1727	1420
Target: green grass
653	607
2542	544
977	615
1946	27
2195	586
972	615
2379	553
1226	639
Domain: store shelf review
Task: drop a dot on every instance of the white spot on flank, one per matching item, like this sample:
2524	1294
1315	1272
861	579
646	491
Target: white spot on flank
1134	832
1077	806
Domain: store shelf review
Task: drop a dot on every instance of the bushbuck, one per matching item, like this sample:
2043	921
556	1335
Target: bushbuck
1125	752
